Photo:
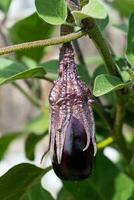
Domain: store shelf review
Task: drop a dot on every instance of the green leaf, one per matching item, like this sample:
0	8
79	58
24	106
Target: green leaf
51	68
94	9
11	71
37	193
121	27
104	84
130	41
122	68
66	195
125	7
29	29
102	23
83	73
101	69
5	140
106	183
4	5
30	144
19	180
52	11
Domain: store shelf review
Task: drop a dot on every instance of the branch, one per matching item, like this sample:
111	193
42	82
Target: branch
42	43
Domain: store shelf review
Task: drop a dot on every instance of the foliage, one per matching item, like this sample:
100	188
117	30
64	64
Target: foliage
113	88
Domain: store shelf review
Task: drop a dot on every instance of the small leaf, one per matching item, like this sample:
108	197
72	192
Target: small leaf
102	23
104	84
52	11
94	9
30	144
19	180
11	71
130	41
122	68
121	27
4	5
29	29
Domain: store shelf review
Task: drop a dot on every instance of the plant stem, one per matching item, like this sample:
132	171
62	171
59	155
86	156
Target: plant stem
95	34
103	114
42	43
79	53
119	119
105	143
29	97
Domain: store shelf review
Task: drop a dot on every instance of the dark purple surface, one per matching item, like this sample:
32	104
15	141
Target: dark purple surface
76	164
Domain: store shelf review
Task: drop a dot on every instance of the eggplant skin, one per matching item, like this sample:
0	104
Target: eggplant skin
75	164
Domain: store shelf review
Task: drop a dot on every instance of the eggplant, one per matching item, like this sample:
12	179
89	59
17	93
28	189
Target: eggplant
72	126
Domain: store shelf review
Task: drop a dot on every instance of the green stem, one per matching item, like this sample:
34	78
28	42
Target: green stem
104	116
118	136
79	53
42	43
95	34
29	97
105	143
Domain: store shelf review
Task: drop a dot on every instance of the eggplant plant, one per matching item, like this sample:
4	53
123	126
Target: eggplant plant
88	112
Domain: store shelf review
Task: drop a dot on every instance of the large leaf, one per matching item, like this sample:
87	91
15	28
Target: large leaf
11	71
130	41
19	181
29	29
5	140
106	183
30	144
52	11
4	5
37	193
104	84
125	7
94	9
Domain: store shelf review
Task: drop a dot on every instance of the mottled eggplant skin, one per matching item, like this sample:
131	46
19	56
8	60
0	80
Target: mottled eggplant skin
76	164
